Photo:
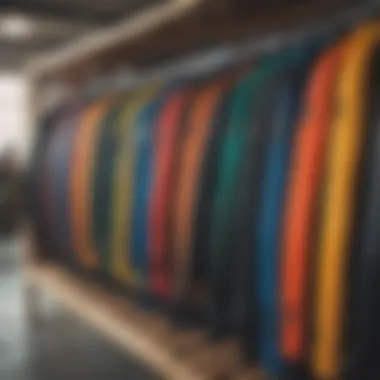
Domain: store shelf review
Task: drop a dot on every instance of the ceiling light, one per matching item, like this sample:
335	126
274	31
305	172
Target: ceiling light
16	26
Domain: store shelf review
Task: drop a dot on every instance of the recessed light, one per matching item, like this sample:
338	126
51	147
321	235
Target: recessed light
16	26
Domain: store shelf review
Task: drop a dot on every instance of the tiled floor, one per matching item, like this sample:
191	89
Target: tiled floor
45	342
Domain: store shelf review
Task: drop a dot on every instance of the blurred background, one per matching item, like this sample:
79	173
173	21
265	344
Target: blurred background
46	42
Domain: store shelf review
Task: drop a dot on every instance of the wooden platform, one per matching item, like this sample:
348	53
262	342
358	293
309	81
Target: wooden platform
177	355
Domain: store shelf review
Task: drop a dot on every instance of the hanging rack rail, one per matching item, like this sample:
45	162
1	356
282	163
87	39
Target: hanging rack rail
224	56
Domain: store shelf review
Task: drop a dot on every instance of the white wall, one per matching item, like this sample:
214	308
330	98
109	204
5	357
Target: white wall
14	126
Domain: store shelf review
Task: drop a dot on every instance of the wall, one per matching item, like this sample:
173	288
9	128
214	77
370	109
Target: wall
14	128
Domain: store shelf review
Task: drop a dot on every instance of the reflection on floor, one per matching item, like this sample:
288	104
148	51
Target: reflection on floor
45	342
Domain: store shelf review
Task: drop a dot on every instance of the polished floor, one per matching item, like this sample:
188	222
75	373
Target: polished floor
42	341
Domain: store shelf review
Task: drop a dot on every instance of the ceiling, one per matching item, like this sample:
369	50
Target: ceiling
30	27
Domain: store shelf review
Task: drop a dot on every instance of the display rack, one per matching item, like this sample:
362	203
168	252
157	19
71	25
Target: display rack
123	56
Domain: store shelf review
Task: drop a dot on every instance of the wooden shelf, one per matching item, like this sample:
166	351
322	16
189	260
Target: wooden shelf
177	355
